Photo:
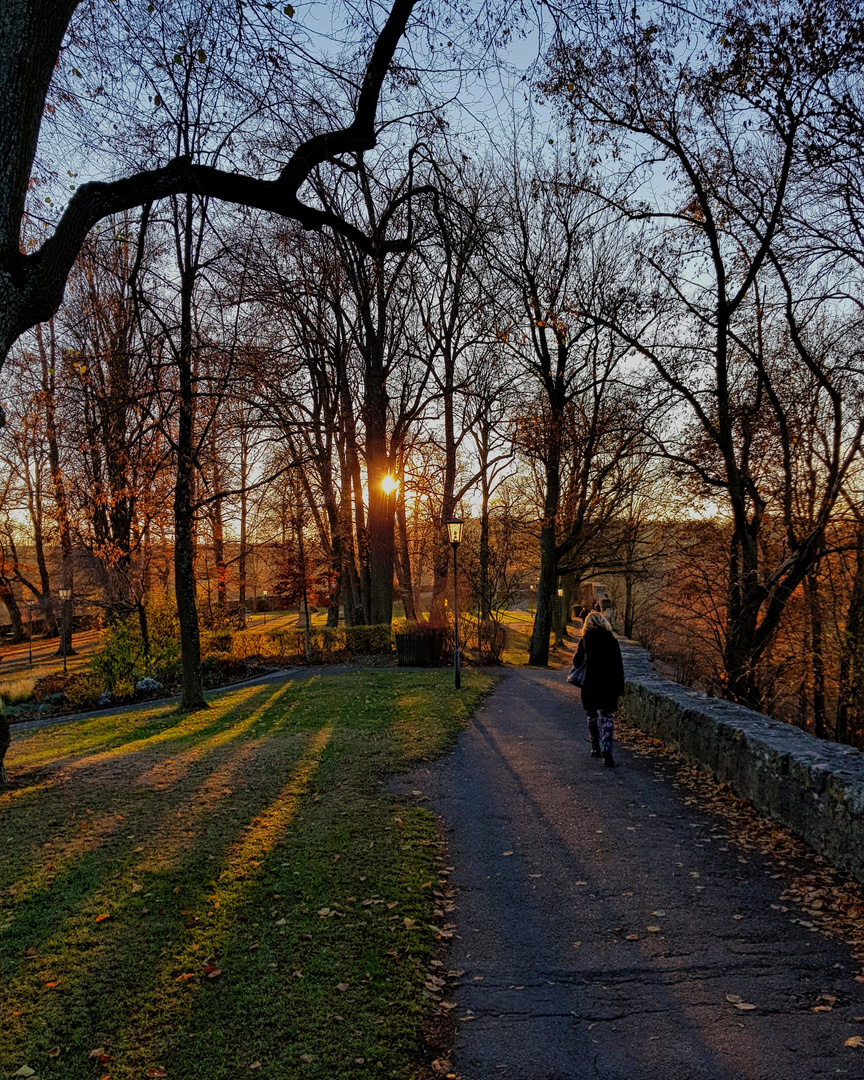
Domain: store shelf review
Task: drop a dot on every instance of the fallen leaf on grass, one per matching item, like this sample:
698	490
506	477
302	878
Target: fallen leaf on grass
53	1052
341	986
98	1052
137	888
186	975
854	1040
392	904
51	985
305	1057
102	918
155	1074
410	924
255	1065
25	1070
212	972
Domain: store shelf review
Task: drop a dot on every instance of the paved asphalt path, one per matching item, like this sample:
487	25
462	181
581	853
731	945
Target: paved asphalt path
598	855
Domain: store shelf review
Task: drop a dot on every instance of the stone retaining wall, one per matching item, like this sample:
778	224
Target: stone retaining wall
815	788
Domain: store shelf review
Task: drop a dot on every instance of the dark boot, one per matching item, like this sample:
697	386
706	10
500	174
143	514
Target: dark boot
608	760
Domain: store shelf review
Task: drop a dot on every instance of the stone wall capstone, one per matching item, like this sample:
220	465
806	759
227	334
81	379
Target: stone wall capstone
815	788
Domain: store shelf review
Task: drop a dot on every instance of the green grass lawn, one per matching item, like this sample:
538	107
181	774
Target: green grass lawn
200	896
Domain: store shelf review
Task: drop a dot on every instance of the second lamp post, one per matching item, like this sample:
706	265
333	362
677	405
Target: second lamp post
64	596
454	535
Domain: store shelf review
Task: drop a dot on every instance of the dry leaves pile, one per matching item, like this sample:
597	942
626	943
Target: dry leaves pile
833	903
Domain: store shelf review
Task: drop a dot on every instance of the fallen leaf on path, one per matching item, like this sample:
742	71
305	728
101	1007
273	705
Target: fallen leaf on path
734	998
580	883
743	1006
576	945
658	913
653	929
737	916
854	1040
506	852
632	937
821	1008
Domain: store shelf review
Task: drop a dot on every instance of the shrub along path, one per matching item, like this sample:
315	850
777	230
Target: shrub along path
610	929
198	896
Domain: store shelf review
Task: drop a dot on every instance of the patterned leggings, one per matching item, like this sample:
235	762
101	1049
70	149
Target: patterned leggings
599	721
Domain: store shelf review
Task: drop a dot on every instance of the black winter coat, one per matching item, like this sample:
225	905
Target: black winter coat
604	670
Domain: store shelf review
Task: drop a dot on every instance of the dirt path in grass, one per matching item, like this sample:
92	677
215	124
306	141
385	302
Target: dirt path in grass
607	927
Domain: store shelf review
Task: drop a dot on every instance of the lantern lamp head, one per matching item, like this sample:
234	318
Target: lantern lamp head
454	531
389	484
64	593
560	592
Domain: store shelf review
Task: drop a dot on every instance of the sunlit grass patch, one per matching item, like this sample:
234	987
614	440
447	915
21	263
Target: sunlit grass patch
17	691
196	894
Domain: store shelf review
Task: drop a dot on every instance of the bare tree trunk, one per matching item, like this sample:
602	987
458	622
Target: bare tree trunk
192	682
218	531
244	510
547	587
817	660
7	599
48	359
403	560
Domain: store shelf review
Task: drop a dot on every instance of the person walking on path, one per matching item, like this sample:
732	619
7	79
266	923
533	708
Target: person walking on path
603	683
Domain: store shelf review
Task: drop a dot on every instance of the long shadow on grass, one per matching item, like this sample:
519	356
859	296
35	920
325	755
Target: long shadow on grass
36	822
127	980
164	729
41	900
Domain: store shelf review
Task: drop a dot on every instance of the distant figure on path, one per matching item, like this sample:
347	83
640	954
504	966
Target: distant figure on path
604	683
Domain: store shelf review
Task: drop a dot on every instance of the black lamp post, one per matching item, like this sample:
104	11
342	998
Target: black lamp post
454	535
64	596
30	605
